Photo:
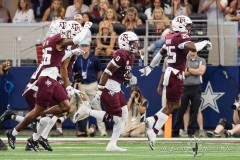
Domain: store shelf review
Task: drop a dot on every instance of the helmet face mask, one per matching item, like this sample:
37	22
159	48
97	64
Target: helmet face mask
181	24
134	46
72	29
56	27
129	41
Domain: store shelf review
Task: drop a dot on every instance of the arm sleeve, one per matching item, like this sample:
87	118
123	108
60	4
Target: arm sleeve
156	60
80	36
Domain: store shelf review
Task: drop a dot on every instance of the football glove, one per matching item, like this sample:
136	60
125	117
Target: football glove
77	52
70	91
97	97
88	24
209	45
146	71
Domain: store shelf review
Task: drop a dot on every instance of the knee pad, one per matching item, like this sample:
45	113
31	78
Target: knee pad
222	122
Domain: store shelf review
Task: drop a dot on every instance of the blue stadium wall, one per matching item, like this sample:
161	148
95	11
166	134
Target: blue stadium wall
219	90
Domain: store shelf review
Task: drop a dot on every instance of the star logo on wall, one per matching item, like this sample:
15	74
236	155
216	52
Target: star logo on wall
209	98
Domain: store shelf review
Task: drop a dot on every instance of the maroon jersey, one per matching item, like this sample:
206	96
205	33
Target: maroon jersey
125	62
176	57
51	56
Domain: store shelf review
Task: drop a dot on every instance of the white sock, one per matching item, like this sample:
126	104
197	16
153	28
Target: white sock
117	130
40	127
162	118
19	118
49	127
14	132
97	114
63	118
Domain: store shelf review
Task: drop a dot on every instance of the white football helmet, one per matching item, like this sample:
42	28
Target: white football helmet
57	26
72	29
129	41
179	23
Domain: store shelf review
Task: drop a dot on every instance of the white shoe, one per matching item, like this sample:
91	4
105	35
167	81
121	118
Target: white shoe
151	138
149	122
82	113
114	148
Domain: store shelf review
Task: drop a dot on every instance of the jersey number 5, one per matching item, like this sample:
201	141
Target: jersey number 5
171	54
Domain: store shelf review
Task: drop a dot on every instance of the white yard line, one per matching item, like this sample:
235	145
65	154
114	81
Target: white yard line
131	139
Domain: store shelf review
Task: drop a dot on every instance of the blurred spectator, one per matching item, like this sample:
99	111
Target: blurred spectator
24	13
89	68
157	45
94	4
131	20
110	16
215	9
121	6
141	5
158	14
102	8
106	39
79	19
4	67
233	12
4	14
39	7
137	106
167	7
55	10
201	132
224	124
76	8
155	4
179	9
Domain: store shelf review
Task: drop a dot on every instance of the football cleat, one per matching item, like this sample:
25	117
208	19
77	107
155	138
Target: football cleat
82	113
3	146
150	121
213	134
151	138
44	143
33	144
33	126
29	147
114	148
11	139
6	115
227	133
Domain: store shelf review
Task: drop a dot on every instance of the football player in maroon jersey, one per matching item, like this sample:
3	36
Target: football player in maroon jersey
48	87
176	47
117	72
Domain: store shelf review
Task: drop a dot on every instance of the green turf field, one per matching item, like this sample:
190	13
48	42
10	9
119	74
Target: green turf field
94	149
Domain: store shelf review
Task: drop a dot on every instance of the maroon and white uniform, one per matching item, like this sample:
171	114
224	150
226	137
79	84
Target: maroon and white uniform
112	97
174	74
49	88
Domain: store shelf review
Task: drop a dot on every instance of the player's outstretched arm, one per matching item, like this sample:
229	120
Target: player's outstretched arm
195	47
156	60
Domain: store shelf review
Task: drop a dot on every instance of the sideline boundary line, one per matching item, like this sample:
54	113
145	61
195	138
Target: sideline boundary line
131	139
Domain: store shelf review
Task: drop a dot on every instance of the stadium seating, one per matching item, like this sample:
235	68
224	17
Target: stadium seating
141	29
119	28
94	29
143	17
